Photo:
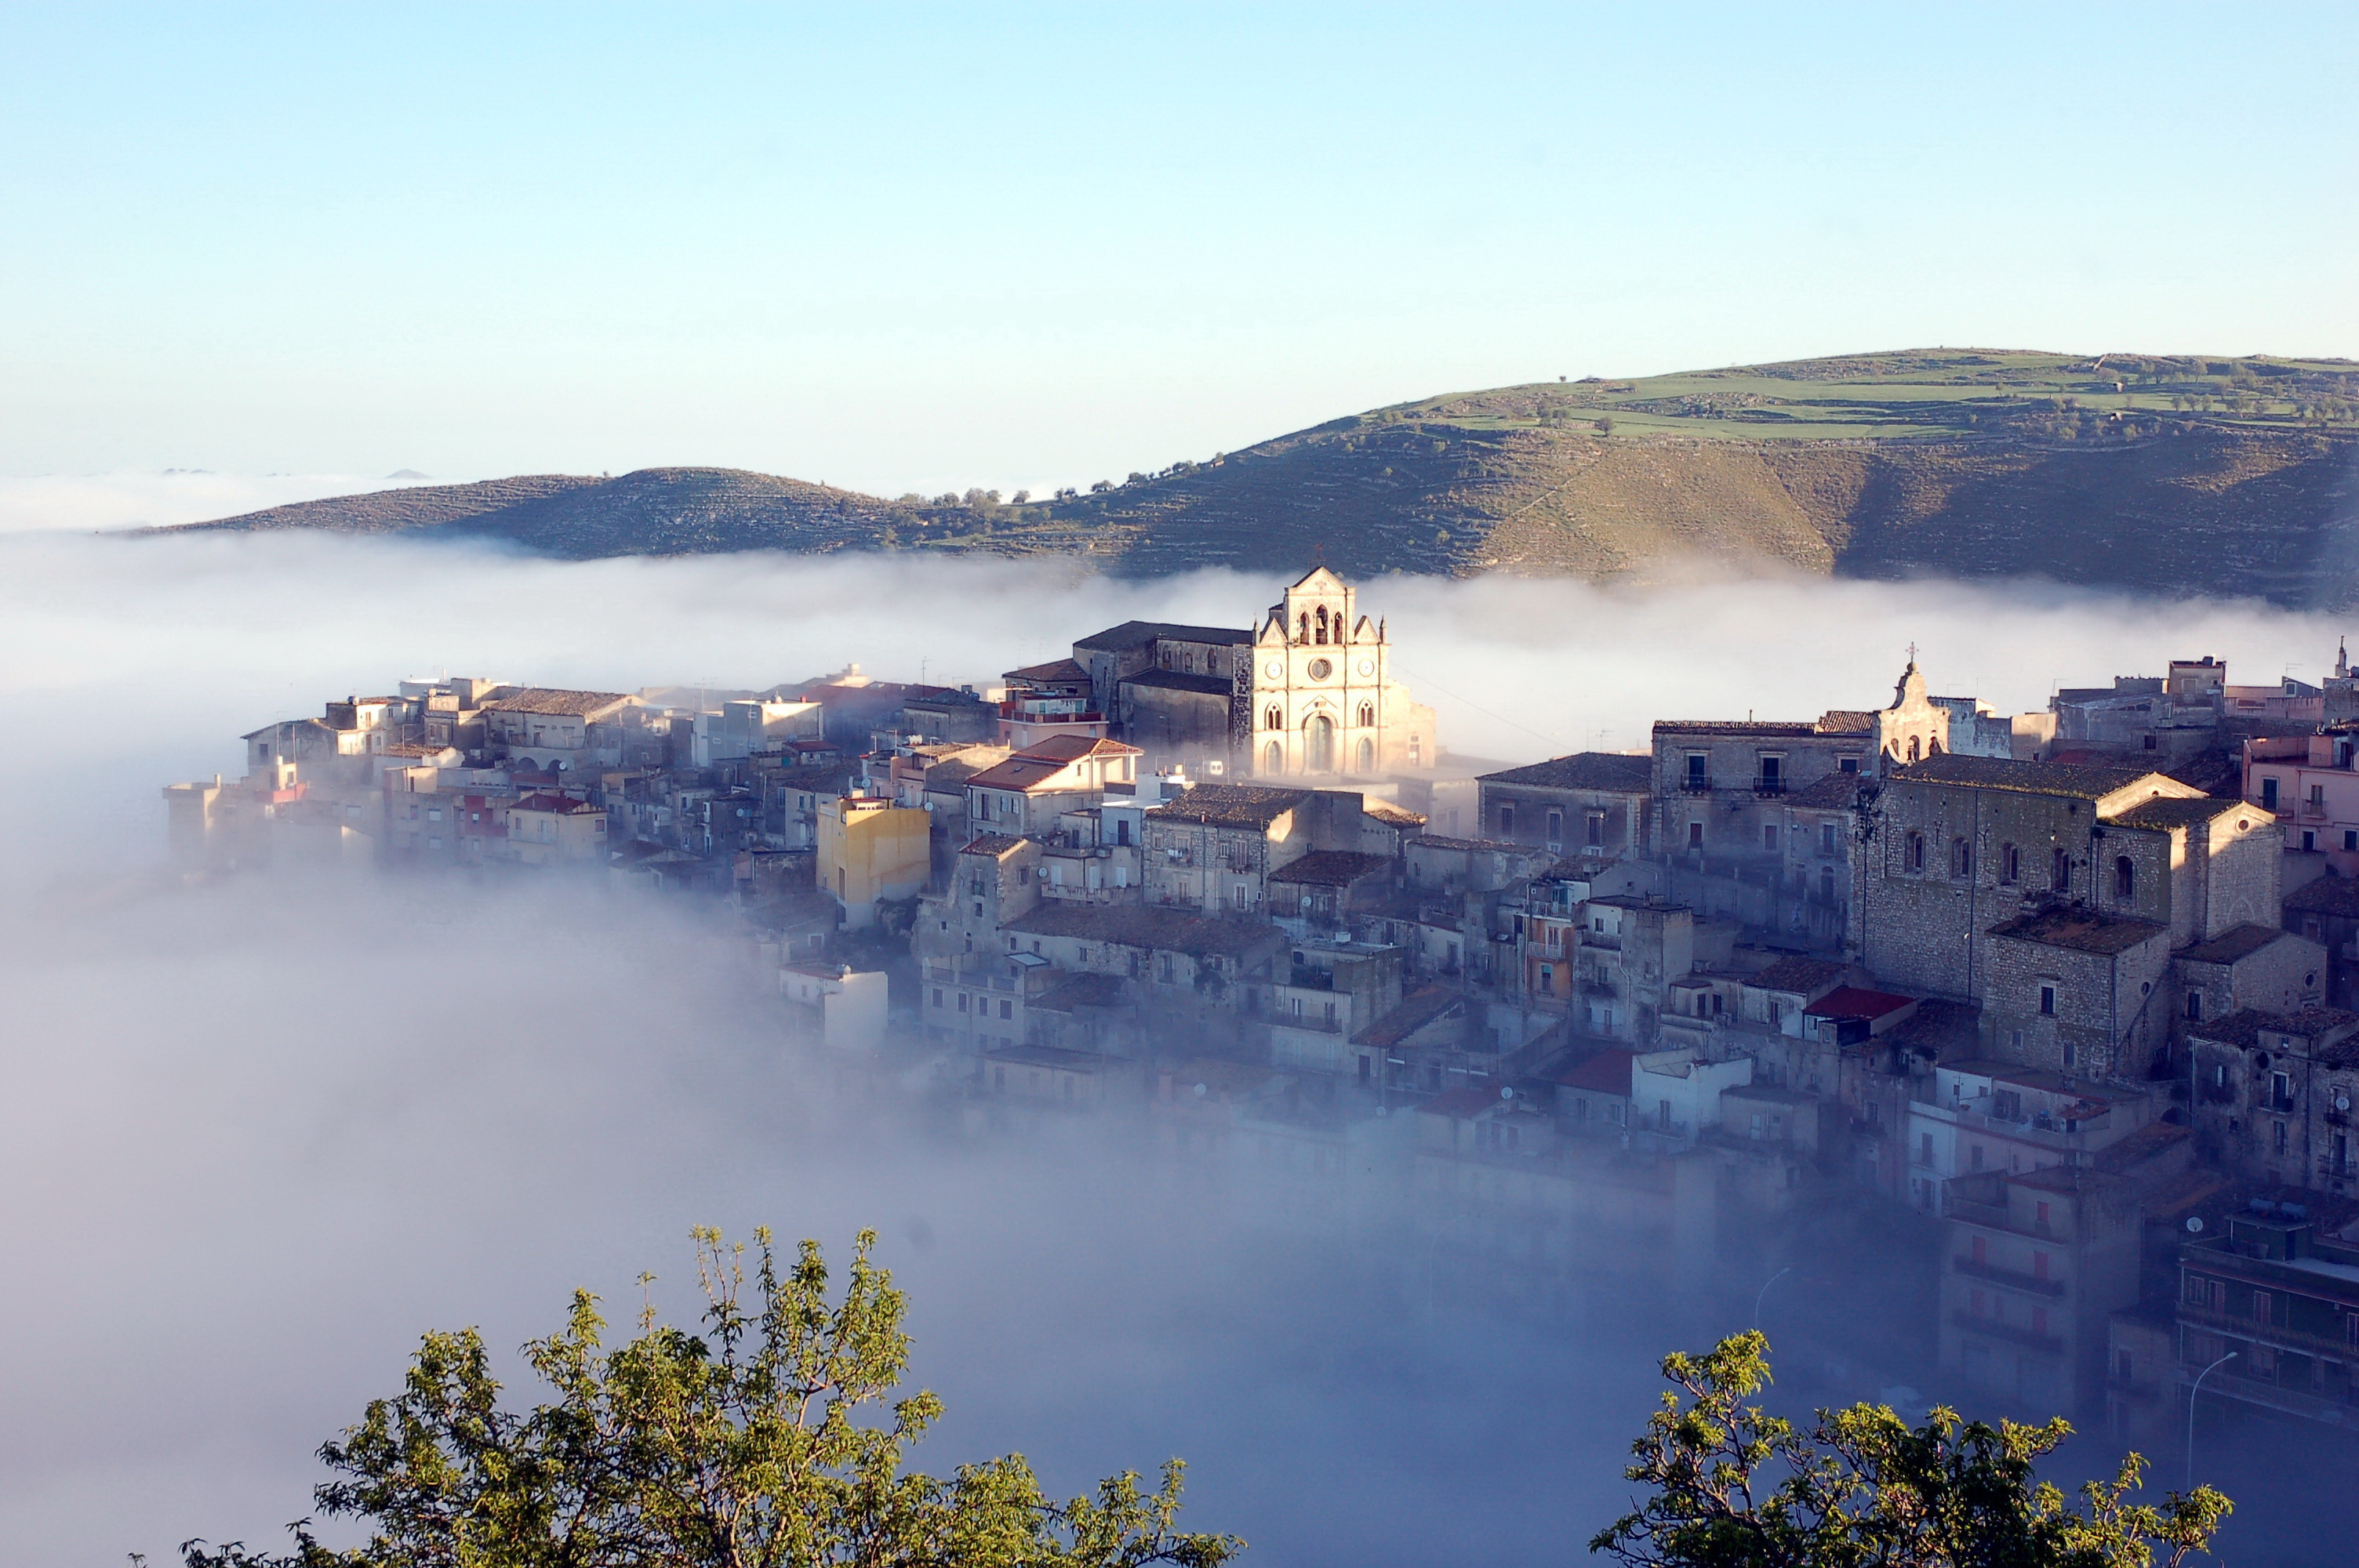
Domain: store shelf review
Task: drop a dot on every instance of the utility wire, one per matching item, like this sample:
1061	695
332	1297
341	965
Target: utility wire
1513	724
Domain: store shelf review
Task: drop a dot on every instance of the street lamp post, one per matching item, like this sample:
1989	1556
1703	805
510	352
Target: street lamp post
2191	1392
1762	1291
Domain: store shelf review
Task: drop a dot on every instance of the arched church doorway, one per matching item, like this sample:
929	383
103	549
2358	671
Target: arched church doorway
1319	743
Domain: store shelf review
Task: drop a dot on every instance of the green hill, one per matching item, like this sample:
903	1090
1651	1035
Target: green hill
2154	473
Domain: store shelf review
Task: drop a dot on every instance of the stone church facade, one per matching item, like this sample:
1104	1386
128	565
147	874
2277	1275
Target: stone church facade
1320	694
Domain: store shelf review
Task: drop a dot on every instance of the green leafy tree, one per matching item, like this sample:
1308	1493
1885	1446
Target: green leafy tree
773	1439
1733	1486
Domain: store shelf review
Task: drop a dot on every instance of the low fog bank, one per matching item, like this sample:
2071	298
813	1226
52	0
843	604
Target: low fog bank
261	1133
147	659
99	503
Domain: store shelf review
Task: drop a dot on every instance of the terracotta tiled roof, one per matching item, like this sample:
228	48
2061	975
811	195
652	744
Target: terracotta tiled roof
1329	868
2237	942
2326	895
1142	925
1231	805
2077	781
1613	771
2082	930
1413	1012
1139	633
553	700
1798	974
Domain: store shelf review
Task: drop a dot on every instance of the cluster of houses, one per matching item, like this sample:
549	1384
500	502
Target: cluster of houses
2073	988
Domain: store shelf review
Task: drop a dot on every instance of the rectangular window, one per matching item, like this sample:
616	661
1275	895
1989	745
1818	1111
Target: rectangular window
2278	1137
1827	837
962	1001
1555	829
1697	775
1506	820
2047	1001
1974	1156
2262	1307
1769	837
1594	827
1695	835
2040	1265
938	996
1847	765
1925	1149
2268	795
2039	1213
1007	1009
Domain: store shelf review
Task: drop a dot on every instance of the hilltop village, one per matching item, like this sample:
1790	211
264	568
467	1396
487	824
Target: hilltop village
2067	993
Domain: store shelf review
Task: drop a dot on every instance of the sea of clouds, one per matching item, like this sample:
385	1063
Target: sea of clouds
257	1134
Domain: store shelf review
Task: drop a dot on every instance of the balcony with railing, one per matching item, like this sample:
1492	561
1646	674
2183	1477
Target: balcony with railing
2337	1345
2013	1279
2013	1334
1769	783
1695	783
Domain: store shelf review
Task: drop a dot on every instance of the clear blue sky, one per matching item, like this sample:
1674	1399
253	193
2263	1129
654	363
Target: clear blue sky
900	247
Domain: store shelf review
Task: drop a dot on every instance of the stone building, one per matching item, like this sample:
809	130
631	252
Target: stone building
2326	910
1214	847
2272	1095
1185	685
1718	783
1592	806
1322	698
2053	895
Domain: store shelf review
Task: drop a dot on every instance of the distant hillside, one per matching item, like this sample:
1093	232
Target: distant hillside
2170	475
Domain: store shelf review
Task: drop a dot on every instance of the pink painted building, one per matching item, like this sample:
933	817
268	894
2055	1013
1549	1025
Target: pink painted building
2308	781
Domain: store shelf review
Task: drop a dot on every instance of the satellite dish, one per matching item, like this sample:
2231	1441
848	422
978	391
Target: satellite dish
1200	1091
2194	1225
1506	1093
2341	1100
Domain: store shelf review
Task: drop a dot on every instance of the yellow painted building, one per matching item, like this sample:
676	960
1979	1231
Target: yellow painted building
871	850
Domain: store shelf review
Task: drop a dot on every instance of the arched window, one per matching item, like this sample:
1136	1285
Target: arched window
1319	743
1367	756
1961	858
2125	877
1915	752
2010	865
1319	629
1272	759
1914	852
2060	871
1273	718
1304	619
1367	716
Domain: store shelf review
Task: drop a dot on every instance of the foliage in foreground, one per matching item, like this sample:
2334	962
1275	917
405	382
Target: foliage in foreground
765	1442
1735	1487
